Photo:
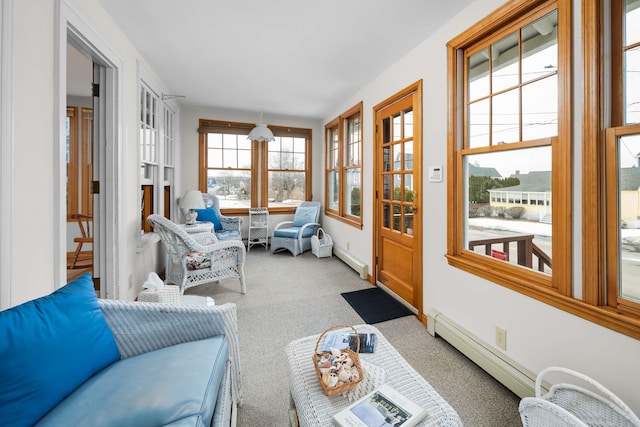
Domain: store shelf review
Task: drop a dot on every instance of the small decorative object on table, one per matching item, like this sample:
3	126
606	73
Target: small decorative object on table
321	244
385	406
338	370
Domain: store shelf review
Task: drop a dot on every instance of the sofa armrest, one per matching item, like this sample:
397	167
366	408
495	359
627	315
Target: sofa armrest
140	327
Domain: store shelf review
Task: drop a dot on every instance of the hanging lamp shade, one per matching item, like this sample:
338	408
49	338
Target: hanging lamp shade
261	132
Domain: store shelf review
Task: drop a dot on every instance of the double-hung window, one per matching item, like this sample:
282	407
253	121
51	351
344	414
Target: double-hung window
343	167
157	146
622	160
245	174
509	148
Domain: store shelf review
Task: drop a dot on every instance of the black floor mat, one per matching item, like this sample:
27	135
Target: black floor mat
375	306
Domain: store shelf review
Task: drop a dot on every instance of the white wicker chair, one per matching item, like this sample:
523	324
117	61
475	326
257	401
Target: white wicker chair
231	225
295	236
570	405
221	259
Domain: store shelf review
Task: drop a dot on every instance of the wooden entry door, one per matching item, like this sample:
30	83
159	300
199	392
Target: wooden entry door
398	195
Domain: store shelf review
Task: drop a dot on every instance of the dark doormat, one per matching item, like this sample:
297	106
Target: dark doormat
375	306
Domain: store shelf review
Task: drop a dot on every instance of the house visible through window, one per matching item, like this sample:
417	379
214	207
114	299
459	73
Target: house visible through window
510	148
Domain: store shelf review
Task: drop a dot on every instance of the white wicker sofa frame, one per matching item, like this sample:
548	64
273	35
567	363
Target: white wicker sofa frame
140	327
226	257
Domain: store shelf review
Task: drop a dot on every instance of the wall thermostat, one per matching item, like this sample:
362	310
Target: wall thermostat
435	173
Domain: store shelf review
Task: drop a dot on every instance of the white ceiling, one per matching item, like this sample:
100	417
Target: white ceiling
285	57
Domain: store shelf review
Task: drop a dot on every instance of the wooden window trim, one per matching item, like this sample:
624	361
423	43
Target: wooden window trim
340	123
600	112
259	160
334	127
73	180
557	289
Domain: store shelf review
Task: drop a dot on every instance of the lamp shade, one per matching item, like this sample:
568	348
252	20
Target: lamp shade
261	133
192	200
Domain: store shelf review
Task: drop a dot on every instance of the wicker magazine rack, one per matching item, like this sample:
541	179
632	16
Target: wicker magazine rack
571	405
332	381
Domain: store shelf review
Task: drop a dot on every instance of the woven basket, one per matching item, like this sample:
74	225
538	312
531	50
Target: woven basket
321	244
340	387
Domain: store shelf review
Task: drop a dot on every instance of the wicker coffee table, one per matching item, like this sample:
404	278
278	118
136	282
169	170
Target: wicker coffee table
311	407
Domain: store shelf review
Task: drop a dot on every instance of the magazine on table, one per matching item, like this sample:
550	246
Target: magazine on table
341	340
384	407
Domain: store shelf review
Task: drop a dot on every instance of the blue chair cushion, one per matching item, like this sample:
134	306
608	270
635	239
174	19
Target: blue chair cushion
48	347
305	215
209	214
177	384
292	232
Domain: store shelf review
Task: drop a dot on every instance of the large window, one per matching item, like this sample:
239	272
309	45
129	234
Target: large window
157	146
231	166
509	148
610	178
343	167
622	182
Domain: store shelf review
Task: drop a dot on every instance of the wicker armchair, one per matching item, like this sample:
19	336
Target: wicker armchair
231	225
571	405
200	258
295	236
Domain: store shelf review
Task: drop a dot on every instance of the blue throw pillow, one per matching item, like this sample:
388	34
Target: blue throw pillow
305	215
48	347
209	215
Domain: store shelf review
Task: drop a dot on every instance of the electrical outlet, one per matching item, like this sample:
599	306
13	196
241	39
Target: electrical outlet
501	338
130	281
348	245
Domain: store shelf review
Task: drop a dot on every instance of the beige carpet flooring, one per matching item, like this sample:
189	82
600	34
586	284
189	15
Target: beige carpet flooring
291	297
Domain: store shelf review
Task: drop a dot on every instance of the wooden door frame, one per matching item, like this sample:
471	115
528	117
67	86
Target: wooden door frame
415	88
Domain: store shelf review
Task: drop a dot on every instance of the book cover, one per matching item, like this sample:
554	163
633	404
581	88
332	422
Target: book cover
384	407
340	340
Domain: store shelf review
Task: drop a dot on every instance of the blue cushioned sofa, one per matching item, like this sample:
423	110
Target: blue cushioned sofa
71	359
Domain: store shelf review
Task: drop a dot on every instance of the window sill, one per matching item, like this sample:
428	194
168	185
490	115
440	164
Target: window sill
147	240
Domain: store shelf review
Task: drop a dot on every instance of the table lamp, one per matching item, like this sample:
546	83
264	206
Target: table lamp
192	200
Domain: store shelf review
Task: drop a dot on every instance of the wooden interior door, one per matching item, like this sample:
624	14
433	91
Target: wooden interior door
398	196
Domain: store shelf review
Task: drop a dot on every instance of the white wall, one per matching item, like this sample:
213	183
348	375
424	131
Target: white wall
538	335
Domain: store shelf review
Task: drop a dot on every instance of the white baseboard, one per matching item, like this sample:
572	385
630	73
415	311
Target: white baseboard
360	267
507	371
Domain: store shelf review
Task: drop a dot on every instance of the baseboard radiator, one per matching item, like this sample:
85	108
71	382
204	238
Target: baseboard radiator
504	369
361	268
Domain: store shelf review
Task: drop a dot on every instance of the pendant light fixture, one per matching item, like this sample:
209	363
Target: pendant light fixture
261	132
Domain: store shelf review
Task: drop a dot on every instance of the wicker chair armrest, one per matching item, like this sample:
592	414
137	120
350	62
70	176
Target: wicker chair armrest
140	327
283	224
612	399
221	245
537	412
205	239
231	223
307	225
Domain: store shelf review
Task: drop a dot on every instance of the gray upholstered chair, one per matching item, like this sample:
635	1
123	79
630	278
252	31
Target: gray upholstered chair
199	258
295	236
225	227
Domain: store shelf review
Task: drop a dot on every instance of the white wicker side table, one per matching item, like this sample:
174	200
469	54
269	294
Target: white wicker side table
314	408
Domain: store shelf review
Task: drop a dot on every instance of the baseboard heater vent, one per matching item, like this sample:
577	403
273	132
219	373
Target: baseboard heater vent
361	268
504	369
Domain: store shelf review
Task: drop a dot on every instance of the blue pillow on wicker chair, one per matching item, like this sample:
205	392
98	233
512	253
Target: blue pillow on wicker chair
48	347
210	215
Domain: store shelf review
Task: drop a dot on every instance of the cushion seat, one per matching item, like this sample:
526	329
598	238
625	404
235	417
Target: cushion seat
174	385
292	232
